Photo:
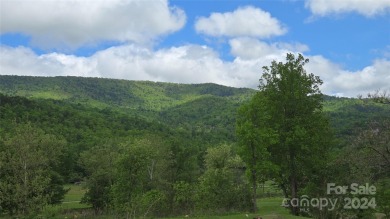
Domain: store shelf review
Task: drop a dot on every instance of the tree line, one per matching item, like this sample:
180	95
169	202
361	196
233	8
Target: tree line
134	167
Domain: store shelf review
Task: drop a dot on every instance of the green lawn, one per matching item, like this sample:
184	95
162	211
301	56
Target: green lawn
70	203
75	193
269	208
269	189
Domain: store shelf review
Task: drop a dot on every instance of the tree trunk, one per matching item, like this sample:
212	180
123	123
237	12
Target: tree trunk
294	194
254	191
293	183
254	178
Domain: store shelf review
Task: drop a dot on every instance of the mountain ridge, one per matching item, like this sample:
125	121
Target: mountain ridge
121	93
207	107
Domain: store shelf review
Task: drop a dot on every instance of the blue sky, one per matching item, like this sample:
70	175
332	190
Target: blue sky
192	41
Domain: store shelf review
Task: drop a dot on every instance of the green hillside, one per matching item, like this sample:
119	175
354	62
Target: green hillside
173	145
206	108
132	95
203	111
200	108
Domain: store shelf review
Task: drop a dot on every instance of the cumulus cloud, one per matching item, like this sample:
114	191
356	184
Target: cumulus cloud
251	54
249	48
23	61
56	23
186	64
245	21
193	64
364	7
340	82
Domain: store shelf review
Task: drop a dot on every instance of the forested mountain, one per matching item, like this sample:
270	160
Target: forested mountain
87	109
206	108
176	132
132	95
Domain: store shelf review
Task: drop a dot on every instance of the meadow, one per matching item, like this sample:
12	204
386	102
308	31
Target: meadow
163	149
268	207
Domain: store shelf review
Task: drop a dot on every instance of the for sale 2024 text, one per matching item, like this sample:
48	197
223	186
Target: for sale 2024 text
365	190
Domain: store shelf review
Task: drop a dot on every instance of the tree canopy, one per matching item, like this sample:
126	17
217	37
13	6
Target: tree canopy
285	122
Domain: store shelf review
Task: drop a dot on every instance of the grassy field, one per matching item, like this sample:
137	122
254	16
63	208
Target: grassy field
269	208
269	189
75	193
70	205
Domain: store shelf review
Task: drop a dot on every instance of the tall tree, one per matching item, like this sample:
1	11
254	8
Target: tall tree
254	135
369	158
99	163
139	188
222	187
28	177
292	110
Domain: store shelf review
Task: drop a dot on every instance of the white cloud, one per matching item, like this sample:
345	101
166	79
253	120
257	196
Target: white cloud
185	64
249	48
72	23
245	21
193	64
338	81
23	61
365	7
252	54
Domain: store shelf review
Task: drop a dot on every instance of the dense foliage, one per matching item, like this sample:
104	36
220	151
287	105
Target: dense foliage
175	143
29	170
113	153
285	124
